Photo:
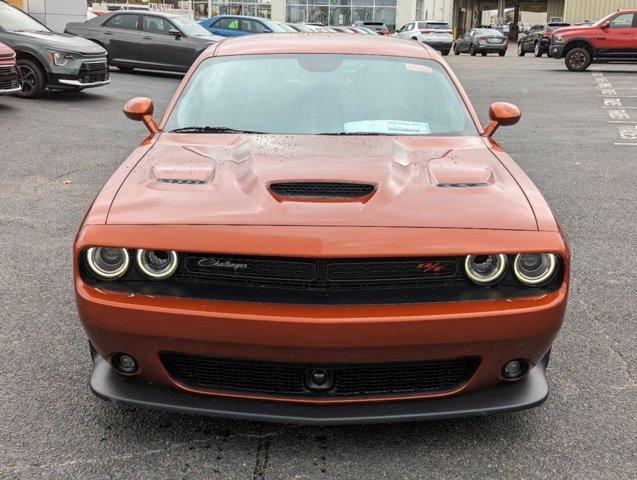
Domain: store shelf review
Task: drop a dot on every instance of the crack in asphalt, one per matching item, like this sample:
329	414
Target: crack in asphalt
613	345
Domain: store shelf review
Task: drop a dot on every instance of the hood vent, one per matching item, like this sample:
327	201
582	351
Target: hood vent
181	181
322	191
462	185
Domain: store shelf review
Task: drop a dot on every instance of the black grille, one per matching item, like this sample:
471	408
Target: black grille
8	70
206	373
322	190
321	274
311	281
8	84
8	77
92	72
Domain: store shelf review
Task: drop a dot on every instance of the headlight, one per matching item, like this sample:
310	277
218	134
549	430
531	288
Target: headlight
108	263
61	58
534	269
558	39
157	264
485	269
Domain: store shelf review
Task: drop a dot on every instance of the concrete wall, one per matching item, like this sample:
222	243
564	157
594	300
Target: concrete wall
580	10
55	14
405	12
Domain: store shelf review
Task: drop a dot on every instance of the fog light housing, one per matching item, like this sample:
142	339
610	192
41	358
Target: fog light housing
124	363
515	369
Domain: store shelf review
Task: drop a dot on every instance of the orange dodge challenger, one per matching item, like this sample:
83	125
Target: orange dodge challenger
319	230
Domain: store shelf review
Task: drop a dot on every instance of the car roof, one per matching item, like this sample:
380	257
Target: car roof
279	43
246	17
142	12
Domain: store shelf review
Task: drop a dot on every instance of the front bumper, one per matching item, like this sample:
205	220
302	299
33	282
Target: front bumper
527	393
556	51
82	74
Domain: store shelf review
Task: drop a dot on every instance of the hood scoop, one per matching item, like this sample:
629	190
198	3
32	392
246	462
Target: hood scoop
321	191
448	173
174	175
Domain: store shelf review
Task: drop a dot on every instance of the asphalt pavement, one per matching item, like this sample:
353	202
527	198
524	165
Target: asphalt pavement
56	153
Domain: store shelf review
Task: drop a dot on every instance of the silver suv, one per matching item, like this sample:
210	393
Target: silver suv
433	33
47	59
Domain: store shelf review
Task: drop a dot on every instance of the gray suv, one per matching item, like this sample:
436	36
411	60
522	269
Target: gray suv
151	40
47	59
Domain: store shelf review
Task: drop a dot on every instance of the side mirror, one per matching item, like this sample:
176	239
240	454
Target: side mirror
141	109
606	25
501	113
174	32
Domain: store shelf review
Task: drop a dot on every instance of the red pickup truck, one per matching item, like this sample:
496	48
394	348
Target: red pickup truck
613	38
9	79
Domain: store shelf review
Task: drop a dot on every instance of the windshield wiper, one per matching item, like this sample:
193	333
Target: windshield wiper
211	130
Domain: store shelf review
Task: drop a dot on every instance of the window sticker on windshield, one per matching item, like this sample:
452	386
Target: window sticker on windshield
414	67
398	127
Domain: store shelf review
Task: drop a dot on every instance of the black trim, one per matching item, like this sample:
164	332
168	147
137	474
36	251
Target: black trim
529	392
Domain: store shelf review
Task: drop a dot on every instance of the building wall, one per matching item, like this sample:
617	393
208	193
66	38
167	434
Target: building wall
55	14
580	10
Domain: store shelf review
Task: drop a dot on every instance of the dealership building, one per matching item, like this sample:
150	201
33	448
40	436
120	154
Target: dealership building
460	14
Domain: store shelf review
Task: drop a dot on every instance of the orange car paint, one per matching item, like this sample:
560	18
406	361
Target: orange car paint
407	216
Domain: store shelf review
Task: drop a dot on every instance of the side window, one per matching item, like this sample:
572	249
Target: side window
623	21
123	22
253	26
410	26
228	23
472	33
157	25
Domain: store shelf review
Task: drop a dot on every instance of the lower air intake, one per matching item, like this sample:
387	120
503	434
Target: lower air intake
288	379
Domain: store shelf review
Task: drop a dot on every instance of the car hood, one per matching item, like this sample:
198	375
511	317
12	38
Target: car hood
62	41
444	182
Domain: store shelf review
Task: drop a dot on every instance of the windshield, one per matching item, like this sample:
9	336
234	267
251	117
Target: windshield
322	94
434	25
189	27
488	31
14	20
555	26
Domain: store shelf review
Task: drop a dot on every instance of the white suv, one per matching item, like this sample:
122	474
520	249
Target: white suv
433	33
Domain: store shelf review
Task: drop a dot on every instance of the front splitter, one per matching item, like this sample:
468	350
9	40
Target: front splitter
529	392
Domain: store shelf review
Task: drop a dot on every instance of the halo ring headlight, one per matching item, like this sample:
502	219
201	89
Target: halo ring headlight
534	269
485	269
108	263
157	264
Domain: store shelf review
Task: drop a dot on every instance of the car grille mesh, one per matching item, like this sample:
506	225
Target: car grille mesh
214	374
322	190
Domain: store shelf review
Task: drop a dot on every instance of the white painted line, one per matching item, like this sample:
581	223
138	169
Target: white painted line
615	106
612	102
634	144
623	122
615	96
